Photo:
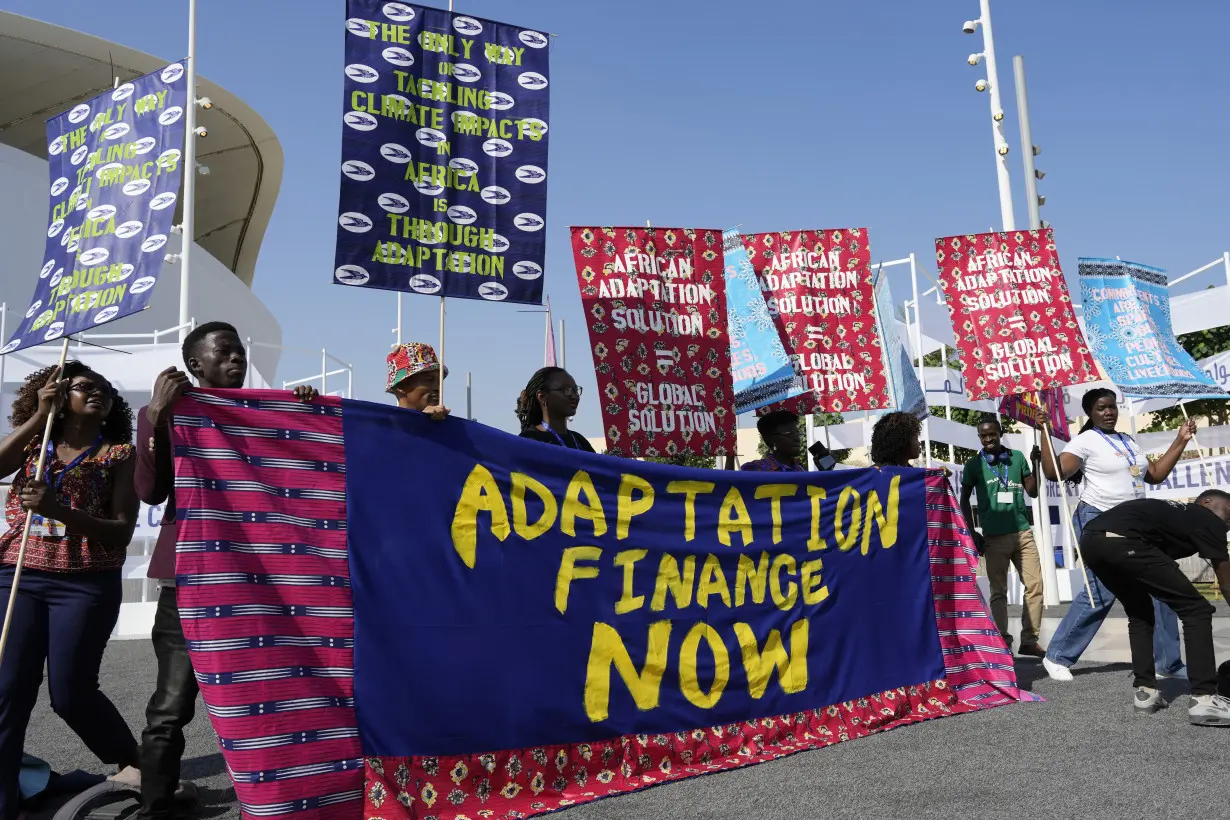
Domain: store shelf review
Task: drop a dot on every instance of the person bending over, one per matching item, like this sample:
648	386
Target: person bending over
1132	549
549	399
214	354
782	439
1001	478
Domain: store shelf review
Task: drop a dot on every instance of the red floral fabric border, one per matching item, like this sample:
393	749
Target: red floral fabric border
525	782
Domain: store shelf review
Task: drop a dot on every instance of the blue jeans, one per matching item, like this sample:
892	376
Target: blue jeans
1078	627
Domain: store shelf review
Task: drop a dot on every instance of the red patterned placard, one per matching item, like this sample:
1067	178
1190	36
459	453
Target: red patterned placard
1011	313
820	293
655	304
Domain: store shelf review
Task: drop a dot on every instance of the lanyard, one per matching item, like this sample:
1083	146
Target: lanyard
1131	457
546	428
1003	479
51	454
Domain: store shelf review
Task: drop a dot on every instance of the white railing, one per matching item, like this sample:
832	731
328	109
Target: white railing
83	340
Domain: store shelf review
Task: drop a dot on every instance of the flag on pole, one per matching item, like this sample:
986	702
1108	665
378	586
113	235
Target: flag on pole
1037	405
549	354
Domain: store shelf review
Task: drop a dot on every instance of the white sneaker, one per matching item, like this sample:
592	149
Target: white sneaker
1146	700
1057	672
1209	710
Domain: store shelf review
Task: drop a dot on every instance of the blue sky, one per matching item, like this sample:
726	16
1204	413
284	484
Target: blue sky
780	116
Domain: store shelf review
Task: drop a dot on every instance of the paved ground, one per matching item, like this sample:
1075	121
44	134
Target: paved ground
1083	754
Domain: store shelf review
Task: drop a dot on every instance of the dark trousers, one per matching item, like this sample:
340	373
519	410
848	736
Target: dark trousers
62	620
170	709
1133	571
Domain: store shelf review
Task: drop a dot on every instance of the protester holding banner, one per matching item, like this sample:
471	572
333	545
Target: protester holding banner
895	440
1001	477
84	510
214	354
414	378
1113	470
782	438
545	405
1132	549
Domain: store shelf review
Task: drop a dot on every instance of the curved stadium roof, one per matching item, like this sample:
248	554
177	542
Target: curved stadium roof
46	69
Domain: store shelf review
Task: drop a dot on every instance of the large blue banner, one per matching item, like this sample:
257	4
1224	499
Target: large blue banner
762	372
534	596
1126	308
115	163
444	154
907	393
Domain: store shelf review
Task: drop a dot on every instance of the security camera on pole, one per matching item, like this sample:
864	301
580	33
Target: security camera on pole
991	83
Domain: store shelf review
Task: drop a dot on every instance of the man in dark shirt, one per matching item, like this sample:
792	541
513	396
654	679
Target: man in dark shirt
215	355
1132	548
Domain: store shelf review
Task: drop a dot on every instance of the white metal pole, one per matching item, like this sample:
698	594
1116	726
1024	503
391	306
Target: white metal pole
546	339
997	125
1027	142
1225	258
563	347
247	376
350	381
947	399
469	396
918	348
189	206
397	330
324	371
440	352
1044	541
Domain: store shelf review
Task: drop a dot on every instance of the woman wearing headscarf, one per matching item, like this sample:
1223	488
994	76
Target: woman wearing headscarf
84	510
1112	469
546	404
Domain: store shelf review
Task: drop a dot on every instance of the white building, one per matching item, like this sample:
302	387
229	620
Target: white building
46	70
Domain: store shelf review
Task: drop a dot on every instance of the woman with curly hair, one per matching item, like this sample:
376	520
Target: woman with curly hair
895	440
84	510
546	404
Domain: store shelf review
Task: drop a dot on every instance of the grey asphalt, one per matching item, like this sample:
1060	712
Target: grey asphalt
1082	754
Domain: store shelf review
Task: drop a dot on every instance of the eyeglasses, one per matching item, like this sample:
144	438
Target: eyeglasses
89	388
572	391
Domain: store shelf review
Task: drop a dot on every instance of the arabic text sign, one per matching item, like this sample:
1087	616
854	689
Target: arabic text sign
444	154
1011	314
655	305
907	393
115	163
1127	321
818	287
762	372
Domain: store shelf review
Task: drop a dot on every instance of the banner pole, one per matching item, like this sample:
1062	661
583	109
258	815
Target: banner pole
188	227
440	353
25	533
1204	477
922	374
1063	506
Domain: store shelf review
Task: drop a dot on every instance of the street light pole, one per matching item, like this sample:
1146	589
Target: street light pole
1028	149
997	111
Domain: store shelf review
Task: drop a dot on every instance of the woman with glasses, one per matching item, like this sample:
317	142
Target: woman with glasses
546	404
84	510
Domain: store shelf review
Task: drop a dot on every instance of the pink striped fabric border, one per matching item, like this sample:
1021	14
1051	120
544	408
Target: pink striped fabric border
264	593
978	664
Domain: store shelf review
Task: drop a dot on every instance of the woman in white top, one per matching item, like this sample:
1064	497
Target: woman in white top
1114	470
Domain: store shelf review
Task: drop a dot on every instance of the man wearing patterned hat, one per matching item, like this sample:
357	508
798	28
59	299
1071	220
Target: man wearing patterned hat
414	378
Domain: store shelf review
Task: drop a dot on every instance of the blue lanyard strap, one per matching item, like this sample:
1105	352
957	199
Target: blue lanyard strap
546	428
1127	448
82	456
1003	479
